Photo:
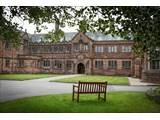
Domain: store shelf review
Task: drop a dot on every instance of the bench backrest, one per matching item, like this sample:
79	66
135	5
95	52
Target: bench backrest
92	87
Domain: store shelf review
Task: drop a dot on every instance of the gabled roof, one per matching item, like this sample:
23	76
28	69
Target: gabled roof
80	33
97	36
25	35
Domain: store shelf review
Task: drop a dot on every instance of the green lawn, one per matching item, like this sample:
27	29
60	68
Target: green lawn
116	80
118	102
23	76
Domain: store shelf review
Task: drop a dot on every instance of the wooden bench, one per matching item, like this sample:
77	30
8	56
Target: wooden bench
90	88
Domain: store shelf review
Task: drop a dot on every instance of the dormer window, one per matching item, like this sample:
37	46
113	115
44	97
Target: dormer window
85	47
81	40
77	47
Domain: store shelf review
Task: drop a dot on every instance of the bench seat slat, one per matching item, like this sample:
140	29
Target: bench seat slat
90	88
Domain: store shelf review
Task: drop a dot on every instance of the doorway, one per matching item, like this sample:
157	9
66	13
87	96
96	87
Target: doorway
80	68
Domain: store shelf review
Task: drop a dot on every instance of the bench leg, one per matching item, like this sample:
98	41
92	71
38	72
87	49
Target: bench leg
77	97
105	96
98	96
73	96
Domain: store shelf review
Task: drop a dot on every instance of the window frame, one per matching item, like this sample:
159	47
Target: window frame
112	49
85	47
21	63
7	63
155	66
99	48
76	47
99	64
112	64
126	64
126	49
69	64
46	63
58	64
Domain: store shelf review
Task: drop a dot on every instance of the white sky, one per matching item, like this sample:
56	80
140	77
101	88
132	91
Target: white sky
31	27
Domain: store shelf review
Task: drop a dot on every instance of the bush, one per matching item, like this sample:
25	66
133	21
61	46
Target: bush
154	94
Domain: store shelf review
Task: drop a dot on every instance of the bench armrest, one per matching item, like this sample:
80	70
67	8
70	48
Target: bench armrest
75	86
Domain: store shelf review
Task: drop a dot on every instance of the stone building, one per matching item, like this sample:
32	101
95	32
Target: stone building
89	53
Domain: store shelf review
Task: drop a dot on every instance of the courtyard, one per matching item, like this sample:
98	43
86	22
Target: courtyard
53	94
47	50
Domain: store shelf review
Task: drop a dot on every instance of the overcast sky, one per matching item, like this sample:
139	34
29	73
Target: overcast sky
31	27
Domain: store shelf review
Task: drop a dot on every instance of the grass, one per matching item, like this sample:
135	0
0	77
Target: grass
117	102
116	80
24	76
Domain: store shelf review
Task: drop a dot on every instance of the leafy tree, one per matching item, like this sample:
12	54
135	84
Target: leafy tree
138	23
55	36
37	15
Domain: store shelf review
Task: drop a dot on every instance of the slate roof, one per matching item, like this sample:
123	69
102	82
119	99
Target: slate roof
100	37
69	35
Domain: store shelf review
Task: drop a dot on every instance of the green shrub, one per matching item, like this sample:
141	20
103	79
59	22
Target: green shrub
154	94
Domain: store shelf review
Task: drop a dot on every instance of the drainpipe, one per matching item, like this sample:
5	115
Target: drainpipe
2	56
91	66
12	62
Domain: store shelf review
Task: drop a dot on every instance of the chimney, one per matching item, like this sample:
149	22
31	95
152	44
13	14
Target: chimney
25	30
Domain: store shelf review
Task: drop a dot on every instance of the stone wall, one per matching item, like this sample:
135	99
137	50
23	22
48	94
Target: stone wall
151	76
27	52
116	71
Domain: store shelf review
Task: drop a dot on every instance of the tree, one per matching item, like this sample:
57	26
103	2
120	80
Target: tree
37	15
138	23
54	36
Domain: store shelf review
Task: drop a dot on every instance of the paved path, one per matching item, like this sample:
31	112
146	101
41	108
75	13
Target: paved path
10	90
136	81
53	78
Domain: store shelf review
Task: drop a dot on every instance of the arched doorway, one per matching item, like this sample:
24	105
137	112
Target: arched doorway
80	68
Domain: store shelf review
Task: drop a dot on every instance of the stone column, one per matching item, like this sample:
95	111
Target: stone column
74	68
137	67
119	64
